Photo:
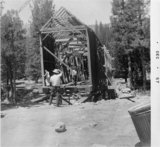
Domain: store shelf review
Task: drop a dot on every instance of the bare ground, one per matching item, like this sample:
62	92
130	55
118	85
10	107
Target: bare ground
105	123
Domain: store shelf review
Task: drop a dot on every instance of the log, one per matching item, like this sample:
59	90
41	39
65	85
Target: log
39	99
83	99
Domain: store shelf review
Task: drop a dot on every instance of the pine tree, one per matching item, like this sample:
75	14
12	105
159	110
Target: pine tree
96	28
13	50
41	13
128	23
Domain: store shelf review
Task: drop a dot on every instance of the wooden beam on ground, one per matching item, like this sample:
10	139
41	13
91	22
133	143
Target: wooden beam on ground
83	99
39	99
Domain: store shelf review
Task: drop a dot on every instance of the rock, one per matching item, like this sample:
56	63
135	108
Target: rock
98	145
60	127
93	124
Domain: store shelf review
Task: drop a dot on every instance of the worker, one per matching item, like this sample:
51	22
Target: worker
55	81
74	75
47	78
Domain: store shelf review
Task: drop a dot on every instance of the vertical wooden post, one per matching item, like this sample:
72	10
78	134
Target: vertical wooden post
89	58
42	63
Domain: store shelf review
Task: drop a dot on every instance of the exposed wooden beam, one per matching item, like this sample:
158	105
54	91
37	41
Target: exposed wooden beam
56	57
89	57
45	36
42	63
63	29
47	23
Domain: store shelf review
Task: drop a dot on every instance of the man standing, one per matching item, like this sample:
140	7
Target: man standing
55	81
47	76
74	75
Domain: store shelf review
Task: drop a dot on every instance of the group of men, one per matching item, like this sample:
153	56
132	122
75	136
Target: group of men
55	81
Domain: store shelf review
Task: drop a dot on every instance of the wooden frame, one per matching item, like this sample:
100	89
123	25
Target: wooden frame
66	26
42	47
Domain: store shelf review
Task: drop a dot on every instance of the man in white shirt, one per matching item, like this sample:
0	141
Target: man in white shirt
47	76
55	81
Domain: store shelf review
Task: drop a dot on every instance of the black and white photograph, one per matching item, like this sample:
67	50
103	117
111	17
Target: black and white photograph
79	73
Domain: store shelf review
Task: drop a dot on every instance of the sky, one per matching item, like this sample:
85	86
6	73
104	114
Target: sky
88	11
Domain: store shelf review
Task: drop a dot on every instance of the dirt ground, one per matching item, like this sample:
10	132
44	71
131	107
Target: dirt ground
105	123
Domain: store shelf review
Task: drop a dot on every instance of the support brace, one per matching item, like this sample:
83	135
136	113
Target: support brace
57	58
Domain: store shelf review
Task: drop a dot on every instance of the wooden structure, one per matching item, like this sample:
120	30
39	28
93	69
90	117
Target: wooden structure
65	42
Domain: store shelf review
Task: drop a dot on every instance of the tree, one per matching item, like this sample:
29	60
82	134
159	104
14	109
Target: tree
41	12
96	28
128	25
104	33
13	50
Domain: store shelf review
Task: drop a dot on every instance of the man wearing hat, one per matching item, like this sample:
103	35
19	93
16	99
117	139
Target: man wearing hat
55	81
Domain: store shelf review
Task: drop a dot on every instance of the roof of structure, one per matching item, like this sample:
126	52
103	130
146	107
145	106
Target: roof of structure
63	20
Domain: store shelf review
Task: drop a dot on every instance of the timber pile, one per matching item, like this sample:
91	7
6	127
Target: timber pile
122	90
40	99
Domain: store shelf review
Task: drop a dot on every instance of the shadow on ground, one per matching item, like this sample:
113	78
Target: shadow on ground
141	144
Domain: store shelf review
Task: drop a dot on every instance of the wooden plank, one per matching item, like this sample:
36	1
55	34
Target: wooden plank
46	24
42	63
82	100
63	29
89	58
39	99
45	36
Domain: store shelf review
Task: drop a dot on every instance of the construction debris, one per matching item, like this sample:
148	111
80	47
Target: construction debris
127	96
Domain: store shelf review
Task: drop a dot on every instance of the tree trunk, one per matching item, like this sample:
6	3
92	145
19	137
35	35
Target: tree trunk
143	69
7	87
11	70
129	72
11	85
14	85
